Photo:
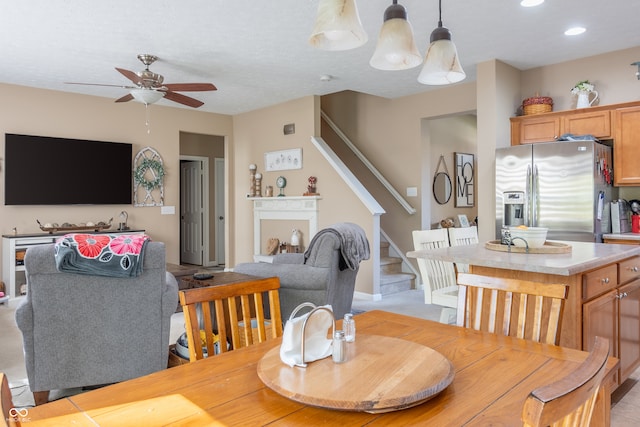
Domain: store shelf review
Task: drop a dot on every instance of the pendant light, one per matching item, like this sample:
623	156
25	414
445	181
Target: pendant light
441	64
396	48
338	26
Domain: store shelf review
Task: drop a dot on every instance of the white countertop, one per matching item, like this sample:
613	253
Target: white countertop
622	236
584	256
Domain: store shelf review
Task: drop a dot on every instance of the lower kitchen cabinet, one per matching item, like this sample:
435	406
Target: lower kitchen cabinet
615	315
629	327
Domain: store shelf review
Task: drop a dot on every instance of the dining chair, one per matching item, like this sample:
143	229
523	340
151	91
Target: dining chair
570	400
235	311
438	277
6	404
512	307
459	236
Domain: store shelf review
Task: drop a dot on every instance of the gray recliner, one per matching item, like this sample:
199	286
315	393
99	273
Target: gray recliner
82	330
324	274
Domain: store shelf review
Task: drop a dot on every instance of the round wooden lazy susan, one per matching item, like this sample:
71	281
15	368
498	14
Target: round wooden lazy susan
548	248
381	374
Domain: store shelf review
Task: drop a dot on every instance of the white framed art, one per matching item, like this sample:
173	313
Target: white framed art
283	160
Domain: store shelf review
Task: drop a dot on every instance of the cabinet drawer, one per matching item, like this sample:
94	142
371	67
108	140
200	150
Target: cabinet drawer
629	269
599	281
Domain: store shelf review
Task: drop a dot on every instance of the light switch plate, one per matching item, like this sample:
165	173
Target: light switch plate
168	210
412	191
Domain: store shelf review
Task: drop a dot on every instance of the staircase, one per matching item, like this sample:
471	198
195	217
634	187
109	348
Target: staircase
392	278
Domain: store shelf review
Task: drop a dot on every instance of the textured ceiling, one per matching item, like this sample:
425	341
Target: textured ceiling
256	51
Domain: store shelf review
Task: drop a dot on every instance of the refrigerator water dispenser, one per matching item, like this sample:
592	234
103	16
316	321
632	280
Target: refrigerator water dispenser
514	204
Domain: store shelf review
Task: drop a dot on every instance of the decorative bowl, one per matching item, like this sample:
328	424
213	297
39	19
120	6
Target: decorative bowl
535	236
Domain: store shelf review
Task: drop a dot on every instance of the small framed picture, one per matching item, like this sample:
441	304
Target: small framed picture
463	220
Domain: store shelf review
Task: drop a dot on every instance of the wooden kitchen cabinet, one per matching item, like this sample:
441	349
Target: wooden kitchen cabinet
612	311
629	328
535	128
626	161
603	122
596	123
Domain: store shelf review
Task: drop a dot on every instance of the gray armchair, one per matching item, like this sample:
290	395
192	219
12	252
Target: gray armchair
81	330
324	274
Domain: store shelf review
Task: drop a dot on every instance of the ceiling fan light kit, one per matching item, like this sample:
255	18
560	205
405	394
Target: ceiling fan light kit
149	87
396	48
338	26
147	96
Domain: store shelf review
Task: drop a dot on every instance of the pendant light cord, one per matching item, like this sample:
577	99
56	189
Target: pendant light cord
439	13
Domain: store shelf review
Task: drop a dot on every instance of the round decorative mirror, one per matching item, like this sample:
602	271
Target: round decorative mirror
442	187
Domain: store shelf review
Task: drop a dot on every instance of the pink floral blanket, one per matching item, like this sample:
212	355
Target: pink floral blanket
115	255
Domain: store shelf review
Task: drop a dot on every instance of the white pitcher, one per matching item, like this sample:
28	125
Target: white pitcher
583	99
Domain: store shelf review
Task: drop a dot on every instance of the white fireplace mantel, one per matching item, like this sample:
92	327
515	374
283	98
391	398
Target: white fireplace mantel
304	208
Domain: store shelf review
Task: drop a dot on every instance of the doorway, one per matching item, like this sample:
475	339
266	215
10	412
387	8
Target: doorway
202	200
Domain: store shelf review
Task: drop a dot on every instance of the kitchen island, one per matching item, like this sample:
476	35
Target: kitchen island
604	289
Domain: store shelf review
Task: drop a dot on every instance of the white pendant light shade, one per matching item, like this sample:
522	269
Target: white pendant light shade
147	96
338	26
441	64
396	48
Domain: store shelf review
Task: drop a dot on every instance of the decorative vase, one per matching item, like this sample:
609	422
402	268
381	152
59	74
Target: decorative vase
295	237
583	98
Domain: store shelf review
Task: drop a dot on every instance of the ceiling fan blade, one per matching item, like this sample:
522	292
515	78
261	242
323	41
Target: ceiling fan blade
127	97
100	84
183	99
130	75
190	87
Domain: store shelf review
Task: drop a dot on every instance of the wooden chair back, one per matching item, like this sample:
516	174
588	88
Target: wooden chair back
232	310
9	417
569	402
511	307
459	236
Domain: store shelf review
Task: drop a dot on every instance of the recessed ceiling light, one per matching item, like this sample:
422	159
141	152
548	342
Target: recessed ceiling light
531	3
575	31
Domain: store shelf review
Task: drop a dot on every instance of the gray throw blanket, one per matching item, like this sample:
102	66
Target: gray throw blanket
109	255
354	245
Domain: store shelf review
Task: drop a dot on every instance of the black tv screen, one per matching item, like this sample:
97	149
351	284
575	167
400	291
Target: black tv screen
42	170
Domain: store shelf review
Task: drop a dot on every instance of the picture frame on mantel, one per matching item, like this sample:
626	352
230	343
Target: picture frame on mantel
464	180
283	160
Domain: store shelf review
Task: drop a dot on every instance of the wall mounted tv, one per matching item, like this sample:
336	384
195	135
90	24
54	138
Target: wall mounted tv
42	170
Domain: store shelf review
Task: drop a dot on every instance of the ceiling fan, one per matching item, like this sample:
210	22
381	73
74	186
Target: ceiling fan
149	87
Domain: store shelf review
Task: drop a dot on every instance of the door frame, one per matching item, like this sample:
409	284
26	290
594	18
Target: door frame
204	164
219	171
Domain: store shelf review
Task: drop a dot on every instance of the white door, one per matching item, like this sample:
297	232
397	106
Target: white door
219	209
191	212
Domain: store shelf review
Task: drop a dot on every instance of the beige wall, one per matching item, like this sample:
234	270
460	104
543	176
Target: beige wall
393	134
261	131
49	113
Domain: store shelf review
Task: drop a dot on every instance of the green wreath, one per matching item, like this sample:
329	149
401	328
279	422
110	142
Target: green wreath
139	174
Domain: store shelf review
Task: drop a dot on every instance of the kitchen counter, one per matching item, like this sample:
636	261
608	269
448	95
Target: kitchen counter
624	238
583	257
603	295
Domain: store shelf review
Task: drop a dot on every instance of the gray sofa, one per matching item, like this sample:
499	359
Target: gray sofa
324	274
81	330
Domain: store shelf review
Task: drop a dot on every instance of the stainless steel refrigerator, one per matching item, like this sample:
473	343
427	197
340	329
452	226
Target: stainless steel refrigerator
564	186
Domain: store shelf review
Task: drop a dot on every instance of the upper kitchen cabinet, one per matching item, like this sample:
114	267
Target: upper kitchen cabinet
596	123
547	127
626	161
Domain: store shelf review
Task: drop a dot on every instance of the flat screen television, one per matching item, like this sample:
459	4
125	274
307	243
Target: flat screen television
41	170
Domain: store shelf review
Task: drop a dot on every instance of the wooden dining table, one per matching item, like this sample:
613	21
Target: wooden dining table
493	376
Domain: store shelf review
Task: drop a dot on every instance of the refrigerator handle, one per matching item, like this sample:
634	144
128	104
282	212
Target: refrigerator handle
534	197
528	196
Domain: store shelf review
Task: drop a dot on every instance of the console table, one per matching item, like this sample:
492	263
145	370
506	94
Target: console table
16	244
